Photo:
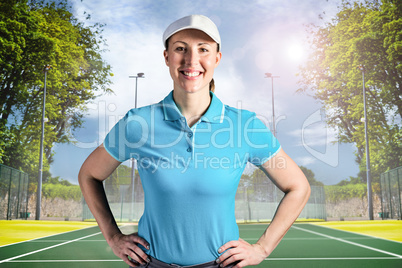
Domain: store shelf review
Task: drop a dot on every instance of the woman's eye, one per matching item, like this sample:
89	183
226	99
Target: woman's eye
179	49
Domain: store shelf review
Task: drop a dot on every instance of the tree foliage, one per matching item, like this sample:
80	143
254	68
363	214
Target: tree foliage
365	34
259	177
311	177
58	180
65	192
335	193
34	34
351	180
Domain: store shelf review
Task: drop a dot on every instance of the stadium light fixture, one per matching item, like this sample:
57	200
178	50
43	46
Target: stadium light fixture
139	75
269	75
369	189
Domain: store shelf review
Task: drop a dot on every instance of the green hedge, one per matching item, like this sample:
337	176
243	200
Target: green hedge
335	193
50	190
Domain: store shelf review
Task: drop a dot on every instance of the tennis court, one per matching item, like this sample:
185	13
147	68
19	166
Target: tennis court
305	245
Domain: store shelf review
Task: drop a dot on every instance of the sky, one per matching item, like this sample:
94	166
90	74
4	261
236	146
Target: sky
258	37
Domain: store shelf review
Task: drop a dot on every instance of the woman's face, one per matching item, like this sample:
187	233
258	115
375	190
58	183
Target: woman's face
191	57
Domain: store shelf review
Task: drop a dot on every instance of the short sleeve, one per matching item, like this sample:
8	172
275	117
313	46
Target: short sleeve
262	144
126	137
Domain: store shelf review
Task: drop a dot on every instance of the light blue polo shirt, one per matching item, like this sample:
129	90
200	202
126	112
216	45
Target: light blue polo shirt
190	175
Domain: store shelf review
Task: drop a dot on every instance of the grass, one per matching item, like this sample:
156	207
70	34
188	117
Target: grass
389	229
21	230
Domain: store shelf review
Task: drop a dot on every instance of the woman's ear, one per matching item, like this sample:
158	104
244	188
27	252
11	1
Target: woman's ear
218	58
165	55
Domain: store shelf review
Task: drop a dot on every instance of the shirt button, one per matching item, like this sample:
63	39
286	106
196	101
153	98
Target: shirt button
190	134
189	149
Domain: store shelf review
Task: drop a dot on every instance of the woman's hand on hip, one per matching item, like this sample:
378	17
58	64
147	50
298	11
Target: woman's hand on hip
126	247
242	253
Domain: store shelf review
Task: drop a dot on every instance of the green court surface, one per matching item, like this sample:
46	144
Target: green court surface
305	245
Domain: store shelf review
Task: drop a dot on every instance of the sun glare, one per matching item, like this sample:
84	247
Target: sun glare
295	52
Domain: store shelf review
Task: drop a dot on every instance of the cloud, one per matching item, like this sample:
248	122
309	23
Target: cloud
305	161
253	43
319	140
315	131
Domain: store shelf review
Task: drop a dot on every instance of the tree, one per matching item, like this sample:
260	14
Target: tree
34	34
351	180
112	187
362	34
311	177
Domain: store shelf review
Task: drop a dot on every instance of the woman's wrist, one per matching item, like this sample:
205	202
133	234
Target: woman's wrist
111	237
266	249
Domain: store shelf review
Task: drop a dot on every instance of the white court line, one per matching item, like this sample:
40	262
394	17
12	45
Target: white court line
43	249
267	259
329	259
32	240
348	242
314	238
39	261
57	241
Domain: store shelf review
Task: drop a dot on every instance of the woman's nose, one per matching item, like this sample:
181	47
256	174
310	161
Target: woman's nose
191	57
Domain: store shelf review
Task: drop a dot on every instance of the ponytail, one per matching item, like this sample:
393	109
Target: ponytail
212	85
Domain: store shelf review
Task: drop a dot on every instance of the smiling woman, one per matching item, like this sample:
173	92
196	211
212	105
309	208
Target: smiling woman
189	212
192	57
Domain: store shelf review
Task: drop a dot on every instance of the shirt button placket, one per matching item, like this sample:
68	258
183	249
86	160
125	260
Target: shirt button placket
190	141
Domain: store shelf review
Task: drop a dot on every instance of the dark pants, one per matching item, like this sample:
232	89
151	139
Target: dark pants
154	263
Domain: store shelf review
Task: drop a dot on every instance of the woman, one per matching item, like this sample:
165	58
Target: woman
191	151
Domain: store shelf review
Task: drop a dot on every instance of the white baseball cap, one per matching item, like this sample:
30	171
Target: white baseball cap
198	22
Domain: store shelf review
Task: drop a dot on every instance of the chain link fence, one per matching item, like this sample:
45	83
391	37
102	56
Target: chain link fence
13	194
125	201
256	201
391	192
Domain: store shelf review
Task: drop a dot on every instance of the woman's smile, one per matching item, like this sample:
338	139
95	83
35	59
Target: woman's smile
190	74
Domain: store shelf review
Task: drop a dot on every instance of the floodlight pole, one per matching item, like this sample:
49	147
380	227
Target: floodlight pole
39	189
269	75
369	189
139	75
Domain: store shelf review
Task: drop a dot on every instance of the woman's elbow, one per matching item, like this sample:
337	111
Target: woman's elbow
305	189
82	177
302	187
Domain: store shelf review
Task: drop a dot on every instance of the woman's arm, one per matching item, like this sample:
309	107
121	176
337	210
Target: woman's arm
288	177
96	168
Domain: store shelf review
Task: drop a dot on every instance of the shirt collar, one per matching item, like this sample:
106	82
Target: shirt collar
214	114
